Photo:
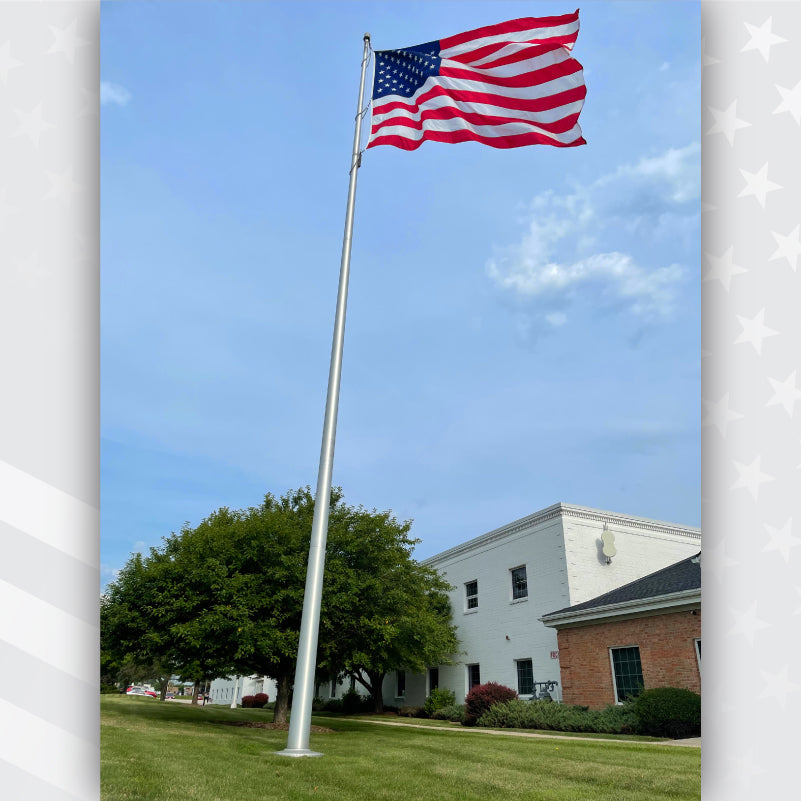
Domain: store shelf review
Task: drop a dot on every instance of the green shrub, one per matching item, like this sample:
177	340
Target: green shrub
333	705
353	703
453	712
668	712
551	716
438	699
484	696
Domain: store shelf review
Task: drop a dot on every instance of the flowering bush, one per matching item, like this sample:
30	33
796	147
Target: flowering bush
248	701
260	699
484	696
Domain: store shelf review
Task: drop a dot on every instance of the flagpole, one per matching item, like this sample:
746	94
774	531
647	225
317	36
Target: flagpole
300	718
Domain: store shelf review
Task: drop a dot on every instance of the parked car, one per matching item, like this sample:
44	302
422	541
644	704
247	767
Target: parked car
169	697
134	690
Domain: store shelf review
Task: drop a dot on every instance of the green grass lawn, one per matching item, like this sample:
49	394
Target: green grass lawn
157	751
446	724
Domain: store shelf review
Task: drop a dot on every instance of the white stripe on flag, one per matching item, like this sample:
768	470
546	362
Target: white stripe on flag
442	101
548	89
513	36
514	68
486	131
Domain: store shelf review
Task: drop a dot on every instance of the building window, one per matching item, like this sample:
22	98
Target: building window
400	689
333	688
519	583
473	676
471	594
352	684
525	677
627	672
698	654
433	679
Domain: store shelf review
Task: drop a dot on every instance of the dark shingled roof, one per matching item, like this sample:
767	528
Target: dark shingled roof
679	577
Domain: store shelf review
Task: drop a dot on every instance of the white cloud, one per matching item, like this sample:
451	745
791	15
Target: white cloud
607	239
113	93
556	319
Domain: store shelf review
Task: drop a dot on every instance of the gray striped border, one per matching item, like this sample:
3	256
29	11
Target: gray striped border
49	442
49	54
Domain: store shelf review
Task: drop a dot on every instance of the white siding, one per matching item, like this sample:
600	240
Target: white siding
561	549
222	690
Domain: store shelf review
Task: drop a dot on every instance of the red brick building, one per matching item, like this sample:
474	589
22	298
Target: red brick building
641	635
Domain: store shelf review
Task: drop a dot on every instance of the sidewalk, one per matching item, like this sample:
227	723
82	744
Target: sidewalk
692	742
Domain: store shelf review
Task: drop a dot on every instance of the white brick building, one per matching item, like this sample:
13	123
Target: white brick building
222	690
508	578
505	580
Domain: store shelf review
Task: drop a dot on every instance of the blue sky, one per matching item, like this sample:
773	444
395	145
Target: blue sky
523	326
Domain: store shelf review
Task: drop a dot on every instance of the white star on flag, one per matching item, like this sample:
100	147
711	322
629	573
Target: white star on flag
7	61
719	414
762	38
778	685
747	623
785	393
66	41
726	122
791	101
754	330
789	247
782	539
758	185
722	268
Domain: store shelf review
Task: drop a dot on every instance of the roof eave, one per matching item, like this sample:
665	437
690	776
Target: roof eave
671	602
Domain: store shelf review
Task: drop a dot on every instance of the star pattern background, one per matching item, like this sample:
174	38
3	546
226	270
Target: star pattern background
751	436
49	79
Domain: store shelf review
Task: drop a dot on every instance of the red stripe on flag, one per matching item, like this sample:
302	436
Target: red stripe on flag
512	26
535	78
511	103
559	126
526	52
501	142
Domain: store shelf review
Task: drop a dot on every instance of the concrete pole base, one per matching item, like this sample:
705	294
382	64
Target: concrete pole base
298	752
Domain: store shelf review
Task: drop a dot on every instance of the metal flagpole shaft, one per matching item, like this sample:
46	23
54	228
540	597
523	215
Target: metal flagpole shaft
300	719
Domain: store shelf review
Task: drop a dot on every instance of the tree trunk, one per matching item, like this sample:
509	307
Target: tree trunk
195	692
283	684
377	691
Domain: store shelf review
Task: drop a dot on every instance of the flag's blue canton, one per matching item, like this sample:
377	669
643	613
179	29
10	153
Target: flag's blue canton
403	72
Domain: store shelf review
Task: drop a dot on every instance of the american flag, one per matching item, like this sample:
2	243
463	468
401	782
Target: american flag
504	85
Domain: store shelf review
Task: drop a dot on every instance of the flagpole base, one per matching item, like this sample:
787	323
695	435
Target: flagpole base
298	752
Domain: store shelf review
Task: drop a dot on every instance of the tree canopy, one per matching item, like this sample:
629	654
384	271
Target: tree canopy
226	597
